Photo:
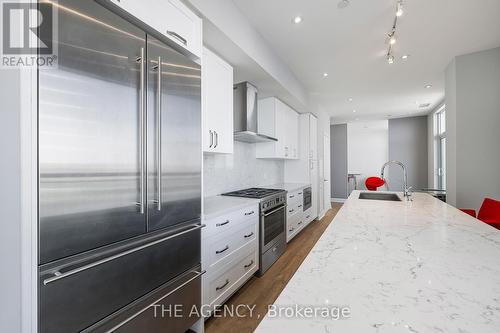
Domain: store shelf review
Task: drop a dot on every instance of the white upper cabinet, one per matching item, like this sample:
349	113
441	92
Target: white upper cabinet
278	120
217	104
169	17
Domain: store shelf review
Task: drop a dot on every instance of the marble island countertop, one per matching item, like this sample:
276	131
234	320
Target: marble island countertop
420	266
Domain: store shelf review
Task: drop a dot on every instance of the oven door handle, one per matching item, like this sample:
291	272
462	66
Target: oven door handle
274	211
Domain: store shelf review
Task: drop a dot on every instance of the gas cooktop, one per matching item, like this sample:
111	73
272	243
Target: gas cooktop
254	193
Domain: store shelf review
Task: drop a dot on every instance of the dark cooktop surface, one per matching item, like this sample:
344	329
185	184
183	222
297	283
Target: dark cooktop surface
254	192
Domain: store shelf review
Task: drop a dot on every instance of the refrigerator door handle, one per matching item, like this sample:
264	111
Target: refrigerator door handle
58	275
158	134
140	60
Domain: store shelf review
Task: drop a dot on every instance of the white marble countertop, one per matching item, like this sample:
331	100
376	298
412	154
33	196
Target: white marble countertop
420	266
220	205
289	187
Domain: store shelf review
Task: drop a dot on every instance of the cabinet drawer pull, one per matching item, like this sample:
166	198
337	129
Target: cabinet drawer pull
250	213
300	193
249	264
300	205
308	216
249	235
221	224
292	196
223	286
177	36
291	229
300	223
291	210
223	250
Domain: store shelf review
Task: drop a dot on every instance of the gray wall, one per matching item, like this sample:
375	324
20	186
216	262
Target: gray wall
408	144
338	149
473	135
10	203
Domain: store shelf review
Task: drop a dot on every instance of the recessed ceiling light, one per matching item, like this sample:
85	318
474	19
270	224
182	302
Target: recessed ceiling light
354	111
325	74
356	119
297	19
350	99
428	86
343	4
405	56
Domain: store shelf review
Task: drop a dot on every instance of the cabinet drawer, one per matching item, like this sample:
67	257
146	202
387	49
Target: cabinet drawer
225	222
295	198
293	225
220	285
223	246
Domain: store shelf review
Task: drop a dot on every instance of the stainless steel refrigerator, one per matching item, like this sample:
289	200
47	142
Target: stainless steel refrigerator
119	177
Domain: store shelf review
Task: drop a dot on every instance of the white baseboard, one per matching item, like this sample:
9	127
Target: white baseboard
339	200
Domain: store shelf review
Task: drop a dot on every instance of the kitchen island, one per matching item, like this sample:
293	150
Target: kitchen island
418	266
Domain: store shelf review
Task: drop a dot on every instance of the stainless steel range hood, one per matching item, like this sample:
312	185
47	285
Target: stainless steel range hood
245	114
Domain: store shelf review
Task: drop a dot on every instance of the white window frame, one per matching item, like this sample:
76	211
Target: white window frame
440	155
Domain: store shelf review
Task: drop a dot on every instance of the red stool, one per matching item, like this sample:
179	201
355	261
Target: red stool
372	183
489	212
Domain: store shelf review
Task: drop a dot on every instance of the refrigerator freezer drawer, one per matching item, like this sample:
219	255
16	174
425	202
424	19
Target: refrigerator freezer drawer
72	302
173	307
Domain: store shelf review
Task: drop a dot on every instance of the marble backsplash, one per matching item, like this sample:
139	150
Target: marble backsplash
223	173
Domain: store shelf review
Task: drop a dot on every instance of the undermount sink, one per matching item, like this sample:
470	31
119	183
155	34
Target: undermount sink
379	196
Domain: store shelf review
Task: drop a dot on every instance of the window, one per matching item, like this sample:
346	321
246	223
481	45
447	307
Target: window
440	144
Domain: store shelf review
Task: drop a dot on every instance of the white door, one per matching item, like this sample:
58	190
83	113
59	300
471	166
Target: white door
326	172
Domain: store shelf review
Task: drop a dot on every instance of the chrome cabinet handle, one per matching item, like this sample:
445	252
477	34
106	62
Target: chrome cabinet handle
291	210
216	139
221	224
299	223
249	235
300	206
177	36
308	216
300	193
249	264
198	274
58	275
291	229
158	135
140	60
250	213
223	250
292	196
223	286
211	138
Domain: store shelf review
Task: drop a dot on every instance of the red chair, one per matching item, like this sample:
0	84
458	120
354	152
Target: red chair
489	212
372	183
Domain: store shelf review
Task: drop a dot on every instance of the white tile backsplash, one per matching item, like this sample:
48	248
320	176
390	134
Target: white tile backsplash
223	173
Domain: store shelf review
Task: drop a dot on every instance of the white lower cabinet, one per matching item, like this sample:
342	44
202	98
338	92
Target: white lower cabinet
295	218
230	254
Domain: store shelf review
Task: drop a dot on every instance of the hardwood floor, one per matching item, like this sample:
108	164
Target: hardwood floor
263	291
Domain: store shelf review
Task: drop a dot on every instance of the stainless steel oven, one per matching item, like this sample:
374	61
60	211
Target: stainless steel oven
307	195
272	231
272	235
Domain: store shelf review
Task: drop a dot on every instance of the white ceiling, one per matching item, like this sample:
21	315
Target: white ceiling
349	44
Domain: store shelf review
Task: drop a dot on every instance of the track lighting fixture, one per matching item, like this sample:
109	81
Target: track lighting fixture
392	34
